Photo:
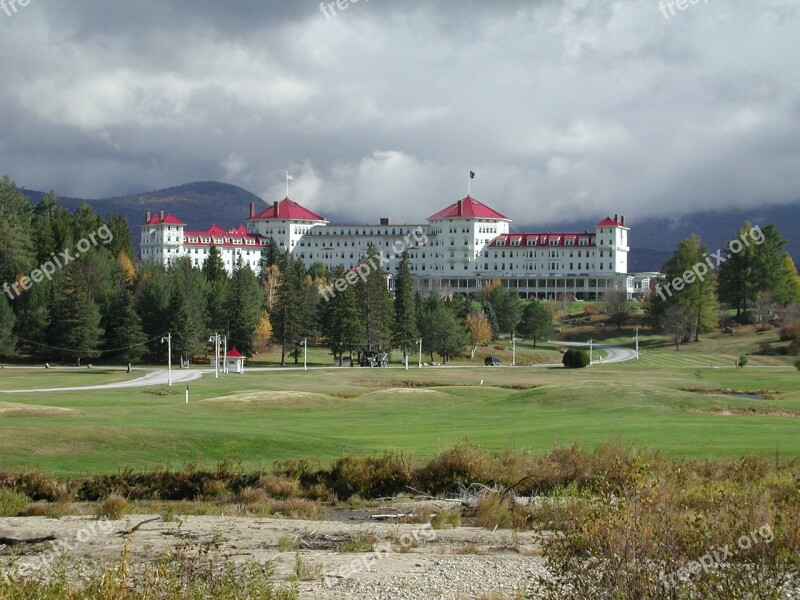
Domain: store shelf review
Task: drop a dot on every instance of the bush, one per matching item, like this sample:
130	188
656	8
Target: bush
113	508
742	362
797	362
12	503
446	518
576	359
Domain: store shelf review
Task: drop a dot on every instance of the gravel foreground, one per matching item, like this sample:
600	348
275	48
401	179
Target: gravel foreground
396	561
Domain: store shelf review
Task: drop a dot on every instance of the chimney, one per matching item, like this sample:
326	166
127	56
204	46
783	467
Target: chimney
161	214
616	218
622	220
460	207
252	209
147	217
276	207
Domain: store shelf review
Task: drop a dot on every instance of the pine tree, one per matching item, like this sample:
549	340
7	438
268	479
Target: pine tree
244	309
214	267
75	324
507	308
537	323
698	297
124	338
375	302
736	278
184	324
342	324
153	297
292	315
7	320
17	252
404	332
492	316
443	333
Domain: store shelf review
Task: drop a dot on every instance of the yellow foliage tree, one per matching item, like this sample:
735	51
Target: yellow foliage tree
263	332
127	267
479	330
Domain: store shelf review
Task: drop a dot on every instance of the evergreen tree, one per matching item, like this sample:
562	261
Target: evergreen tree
507	308
342	324
492	316
214	267
292	314
443	333
33	320
85	222
121	239
75	323
7	320
375	302
698	297
404	332
244	308
153	297
271	254
184	324
736	278
537	323
124	338
17	252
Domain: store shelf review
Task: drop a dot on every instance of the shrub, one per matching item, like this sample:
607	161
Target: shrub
461	465
251	497
493	511
371	476
742	362
12	503
797	362
280	486
113	507
446	518
575	359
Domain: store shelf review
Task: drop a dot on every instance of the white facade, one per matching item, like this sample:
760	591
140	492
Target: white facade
458	249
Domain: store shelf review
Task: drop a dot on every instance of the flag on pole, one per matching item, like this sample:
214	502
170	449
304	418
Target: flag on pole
472	174
289	177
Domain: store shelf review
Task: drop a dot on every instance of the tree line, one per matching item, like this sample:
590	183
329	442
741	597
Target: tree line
107	304
754	275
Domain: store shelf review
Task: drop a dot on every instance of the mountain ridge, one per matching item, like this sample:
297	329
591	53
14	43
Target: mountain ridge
203	203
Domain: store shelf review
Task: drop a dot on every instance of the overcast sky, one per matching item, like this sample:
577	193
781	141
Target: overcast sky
562	108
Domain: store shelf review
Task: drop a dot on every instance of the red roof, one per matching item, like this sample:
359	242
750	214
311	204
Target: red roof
168	220
468	208
216	232
617	221
288	210
234	353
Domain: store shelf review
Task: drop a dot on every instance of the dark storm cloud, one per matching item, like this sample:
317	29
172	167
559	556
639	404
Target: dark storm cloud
563	108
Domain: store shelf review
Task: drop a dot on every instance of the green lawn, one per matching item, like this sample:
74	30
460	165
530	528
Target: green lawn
265	416
12	378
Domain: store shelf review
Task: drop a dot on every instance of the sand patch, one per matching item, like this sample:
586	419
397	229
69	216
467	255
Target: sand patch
408	392
265	397
11	409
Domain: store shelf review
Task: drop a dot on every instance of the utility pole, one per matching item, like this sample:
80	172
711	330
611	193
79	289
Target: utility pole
215	341
636	331
590	351
513	350
225	357
168	339
305	354
419	341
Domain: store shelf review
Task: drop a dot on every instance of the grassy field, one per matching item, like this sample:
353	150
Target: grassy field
661	401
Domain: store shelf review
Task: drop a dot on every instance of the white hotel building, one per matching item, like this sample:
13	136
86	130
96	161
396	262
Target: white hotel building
464	246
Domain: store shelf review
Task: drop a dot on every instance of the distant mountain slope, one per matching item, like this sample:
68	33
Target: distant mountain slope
200	204
654	240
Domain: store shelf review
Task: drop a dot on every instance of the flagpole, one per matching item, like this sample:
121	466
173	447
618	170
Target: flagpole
469	183
287	184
